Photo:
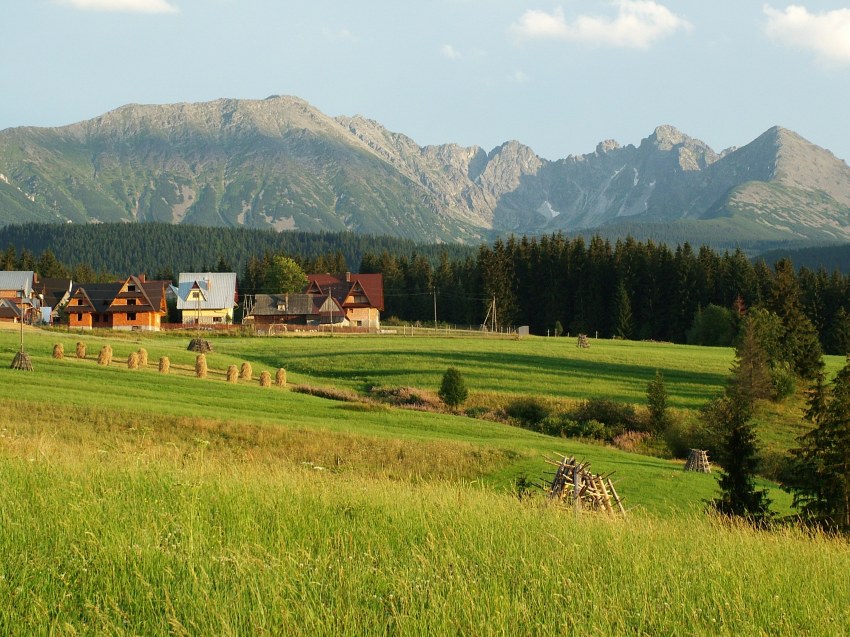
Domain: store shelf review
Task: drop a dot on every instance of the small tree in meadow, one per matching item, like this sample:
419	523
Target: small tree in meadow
453	389
656	404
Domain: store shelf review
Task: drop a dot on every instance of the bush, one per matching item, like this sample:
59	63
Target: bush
783	380
453	389
617	417
529	411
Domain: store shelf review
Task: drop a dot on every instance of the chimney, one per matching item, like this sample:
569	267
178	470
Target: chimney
143	277
348	277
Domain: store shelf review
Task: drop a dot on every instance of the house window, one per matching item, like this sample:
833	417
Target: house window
216	319
131	301
131	288
131	316
79	316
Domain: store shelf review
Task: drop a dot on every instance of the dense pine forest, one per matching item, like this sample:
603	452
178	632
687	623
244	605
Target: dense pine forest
554	284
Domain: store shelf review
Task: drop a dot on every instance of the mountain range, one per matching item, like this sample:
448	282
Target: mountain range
281	163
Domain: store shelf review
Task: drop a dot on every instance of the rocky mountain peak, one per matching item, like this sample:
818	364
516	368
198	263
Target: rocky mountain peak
606	146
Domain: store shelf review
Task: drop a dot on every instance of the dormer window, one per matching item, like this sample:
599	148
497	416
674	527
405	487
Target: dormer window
131	287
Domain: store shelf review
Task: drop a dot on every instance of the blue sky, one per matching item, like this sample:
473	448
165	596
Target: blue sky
558	76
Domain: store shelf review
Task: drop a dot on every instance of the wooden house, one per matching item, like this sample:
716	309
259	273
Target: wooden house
361	296
17	290
207	298
296	310
134	304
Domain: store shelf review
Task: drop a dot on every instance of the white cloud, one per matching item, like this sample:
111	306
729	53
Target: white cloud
637	24
123	6
826	34
448	51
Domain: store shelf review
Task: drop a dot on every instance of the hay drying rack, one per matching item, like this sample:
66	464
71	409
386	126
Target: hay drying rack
576	486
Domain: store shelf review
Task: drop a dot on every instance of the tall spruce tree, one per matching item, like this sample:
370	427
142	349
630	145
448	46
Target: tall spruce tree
751	378
738	455
623	328
818	473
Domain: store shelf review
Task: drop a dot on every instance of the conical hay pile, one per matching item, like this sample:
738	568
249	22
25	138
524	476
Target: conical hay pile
133	361
81	350
246	373
105	356
280	378
232	374
201	366
164	365
59	351
143	357
265	379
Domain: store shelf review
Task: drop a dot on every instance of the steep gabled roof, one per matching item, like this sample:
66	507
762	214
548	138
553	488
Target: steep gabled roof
99	296
340	287
8	310
218	290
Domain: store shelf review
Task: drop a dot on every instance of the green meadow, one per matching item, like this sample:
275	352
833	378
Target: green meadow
134	502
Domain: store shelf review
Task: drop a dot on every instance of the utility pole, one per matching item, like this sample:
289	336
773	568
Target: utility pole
330	300
494	313
435	310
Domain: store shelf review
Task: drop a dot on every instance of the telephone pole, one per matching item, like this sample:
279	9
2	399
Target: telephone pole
435	310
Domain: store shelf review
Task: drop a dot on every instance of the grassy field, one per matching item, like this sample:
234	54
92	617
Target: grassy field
139	503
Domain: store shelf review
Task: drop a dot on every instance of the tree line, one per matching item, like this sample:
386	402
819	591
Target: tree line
554	284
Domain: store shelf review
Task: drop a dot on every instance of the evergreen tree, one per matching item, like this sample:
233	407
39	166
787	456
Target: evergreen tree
818	473
453	389
656	404
738	455
751	379
623	327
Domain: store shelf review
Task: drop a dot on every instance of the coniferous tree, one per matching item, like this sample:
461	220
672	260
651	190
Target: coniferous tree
738	455
751	379
453	389
623	327
818	473
656	404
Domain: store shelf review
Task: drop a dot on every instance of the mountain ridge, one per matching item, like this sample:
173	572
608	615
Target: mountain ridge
281	163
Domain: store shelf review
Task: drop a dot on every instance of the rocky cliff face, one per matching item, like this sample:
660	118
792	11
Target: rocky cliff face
280	163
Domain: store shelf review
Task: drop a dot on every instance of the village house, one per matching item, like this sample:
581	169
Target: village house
134	304
361	296
18	296
207	298
349	301
296	310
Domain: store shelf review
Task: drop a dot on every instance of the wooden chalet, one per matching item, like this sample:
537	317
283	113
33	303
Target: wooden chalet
361	296
296	310
134	304
19	296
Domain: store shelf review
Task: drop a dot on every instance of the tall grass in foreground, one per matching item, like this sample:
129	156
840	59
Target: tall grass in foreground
99	546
